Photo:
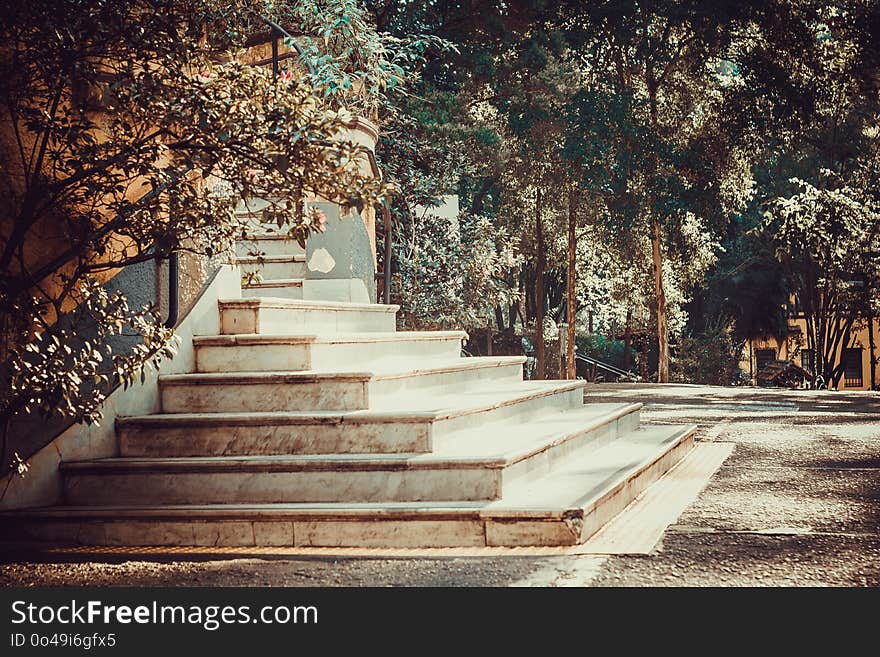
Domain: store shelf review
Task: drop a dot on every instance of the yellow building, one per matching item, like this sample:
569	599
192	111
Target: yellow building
856	355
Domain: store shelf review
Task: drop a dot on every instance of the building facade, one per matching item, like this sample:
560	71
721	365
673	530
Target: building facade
856	354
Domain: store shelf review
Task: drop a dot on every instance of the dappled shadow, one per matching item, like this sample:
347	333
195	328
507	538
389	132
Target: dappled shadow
867	463
810	419
735	399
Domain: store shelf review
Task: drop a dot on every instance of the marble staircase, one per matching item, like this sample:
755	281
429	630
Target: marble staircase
317	423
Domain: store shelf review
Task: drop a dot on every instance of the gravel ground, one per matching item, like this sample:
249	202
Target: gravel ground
797	504
690	558
275	572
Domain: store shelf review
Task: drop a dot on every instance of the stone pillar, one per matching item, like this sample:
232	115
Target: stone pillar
341	261
366	133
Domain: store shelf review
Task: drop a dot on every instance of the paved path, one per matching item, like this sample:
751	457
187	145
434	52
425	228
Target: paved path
796	504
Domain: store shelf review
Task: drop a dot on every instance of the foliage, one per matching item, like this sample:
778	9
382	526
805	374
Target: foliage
53	369
568	92
747	287
615	285
453	272
827	240
818	187
678	121
600	347
352	63
429	144
710	358
128	136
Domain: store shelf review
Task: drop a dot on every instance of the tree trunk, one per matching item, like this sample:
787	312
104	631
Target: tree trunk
822	362
511	316
837	346
480	195
529	292
660	293
752	361
539	287
627	339
872	354
643	362
499	318
570	372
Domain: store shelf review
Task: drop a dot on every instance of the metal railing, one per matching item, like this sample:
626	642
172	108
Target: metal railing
277	32
386	263
605	366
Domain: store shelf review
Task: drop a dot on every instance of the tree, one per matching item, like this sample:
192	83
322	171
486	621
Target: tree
824	237
819	193
351	63
675	121
744	298
683	98
130	131
540	295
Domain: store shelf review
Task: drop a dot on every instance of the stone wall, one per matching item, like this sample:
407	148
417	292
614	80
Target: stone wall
41	486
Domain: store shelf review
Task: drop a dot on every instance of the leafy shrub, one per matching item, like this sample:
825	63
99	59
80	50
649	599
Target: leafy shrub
600	347
710	358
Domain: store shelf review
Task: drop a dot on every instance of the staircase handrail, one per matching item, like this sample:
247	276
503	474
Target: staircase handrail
605	366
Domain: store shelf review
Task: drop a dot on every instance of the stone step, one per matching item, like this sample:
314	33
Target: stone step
276	267
289	288
426	424
479	466
259	352
564	507
598	486
328	390
269	244
288	316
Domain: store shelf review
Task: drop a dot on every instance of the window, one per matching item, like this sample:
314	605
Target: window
808	360
852	359
763	357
